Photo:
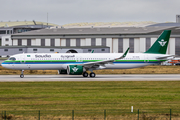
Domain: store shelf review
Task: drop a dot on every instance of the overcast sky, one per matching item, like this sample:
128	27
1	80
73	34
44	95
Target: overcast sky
74	11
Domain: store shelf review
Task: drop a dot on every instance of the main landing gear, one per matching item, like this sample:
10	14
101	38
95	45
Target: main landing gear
92	74
85	74
22	74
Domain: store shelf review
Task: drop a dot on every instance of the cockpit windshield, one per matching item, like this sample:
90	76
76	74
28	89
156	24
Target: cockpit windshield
12	58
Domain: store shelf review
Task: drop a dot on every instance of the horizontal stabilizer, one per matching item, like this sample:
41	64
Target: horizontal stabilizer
165	57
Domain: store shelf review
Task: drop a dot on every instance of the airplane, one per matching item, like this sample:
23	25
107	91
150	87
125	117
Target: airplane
80	63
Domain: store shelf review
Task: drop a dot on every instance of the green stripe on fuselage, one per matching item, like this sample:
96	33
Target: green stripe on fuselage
81	61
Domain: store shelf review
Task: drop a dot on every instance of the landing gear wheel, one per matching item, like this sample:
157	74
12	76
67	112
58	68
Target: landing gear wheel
85	74
92	74
21	76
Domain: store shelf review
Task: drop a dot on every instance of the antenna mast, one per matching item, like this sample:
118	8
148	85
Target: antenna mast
47	19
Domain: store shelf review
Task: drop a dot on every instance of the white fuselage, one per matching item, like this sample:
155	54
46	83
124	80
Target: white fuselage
58	61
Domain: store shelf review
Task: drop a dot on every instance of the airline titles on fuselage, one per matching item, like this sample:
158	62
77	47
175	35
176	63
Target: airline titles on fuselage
63	57
48	56
42	56
67	56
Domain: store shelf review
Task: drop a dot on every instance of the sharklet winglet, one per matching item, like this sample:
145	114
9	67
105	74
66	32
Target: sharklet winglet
124	55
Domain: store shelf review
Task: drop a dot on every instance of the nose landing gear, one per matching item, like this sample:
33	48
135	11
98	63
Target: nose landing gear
22	74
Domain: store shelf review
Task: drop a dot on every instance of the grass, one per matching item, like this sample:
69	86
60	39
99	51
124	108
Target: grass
3	58
56	100
143	70
148	96
89	95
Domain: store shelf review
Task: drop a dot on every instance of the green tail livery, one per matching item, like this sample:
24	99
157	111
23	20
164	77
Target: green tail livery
160	46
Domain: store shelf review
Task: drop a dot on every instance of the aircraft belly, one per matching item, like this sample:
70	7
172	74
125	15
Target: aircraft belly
126	66
38	67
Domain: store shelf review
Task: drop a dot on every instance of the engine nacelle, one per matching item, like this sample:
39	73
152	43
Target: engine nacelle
62	71
75	69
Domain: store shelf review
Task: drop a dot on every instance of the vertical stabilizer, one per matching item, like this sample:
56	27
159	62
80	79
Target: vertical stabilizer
160	45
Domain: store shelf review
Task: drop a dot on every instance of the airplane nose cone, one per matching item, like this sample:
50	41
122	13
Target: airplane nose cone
5	65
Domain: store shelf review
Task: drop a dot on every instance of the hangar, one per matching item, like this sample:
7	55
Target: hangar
6	51
118	39
14	27
112	38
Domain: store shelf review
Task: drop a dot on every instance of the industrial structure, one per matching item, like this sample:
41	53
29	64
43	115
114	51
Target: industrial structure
82	38
9	28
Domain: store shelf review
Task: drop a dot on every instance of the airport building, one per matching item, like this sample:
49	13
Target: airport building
15	27
9	28
84	37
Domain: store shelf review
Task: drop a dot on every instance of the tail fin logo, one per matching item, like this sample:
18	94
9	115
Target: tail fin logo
162	42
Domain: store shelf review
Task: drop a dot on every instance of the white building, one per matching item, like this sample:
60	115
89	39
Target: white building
139	39
114	39
9	28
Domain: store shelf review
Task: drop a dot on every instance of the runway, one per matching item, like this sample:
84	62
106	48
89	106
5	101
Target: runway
124	77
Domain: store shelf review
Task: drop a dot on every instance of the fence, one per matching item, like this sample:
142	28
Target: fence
110	114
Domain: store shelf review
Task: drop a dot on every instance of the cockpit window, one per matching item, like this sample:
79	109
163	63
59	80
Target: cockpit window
12	58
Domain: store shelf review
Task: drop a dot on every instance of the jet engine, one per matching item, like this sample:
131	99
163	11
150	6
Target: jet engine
75	70
62	71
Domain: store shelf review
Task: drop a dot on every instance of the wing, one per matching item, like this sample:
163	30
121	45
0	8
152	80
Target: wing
102	63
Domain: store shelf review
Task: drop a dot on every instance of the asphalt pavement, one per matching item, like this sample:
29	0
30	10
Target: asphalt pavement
124	77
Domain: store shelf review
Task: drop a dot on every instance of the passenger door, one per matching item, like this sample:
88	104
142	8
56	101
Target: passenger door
22	59
146	60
